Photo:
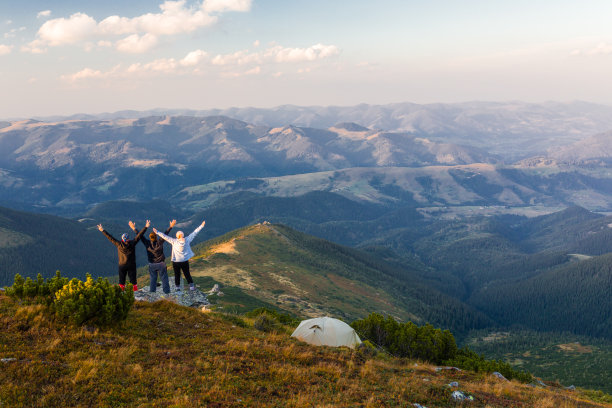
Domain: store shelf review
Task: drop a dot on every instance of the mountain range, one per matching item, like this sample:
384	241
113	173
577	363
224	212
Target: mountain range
67	167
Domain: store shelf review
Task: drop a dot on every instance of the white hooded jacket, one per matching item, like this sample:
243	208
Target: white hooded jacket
181	248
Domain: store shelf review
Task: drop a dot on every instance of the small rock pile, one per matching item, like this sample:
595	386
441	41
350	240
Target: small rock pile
191	298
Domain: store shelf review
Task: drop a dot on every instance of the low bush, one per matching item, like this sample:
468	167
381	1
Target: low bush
266	323
93	302
467	359
283	318
407	339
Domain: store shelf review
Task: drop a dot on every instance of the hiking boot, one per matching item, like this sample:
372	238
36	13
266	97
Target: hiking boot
192	286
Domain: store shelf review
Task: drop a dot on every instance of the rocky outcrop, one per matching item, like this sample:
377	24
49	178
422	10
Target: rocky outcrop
191	298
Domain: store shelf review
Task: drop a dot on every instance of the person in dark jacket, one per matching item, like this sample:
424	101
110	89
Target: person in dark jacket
126	250
156	257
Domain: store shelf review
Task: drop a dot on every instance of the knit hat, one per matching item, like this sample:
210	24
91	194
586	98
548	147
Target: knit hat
125	237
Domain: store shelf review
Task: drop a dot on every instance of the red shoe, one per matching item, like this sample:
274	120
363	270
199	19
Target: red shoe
135	288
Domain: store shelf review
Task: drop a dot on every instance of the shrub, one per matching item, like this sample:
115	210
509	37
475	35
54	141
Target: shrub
38	291
91	301
407	339
96	302
469	360
283	318
266	323
233	319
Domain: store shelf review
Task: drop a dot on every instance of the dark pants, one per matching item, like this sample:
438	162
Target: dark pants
154	269
178	266
130	271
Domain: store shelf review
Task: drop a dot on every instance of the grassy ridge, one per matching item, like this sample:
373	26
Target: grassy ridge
169	356
309	276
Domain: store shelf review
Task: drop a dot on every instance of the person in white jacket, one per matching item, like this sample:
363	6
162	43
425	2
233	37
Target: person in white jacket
181	253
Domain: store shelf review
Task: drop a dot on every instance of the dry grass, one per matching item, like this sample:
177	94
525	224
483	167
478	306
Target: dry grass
170	356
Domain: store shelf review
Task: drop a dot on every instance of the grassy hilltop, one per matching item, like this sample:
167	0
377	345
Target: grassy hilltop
166	355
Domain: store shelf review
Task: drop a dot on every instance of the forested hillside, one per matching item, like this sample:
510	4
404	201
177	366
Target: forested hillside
32	244
576	297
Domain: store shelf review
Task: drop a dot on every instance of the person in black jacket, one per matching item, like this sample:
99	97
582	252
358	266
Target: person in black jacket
157	258
126	250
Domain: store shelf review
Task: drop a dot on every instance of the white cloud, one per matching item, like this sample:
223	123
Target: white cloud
238	64
85	74
602	48
13	32
35	47
163	65
250	72
5	49
136	44
193	58
317	51
175	17
62	31
218	6
256	43
238	58
43	14
103	43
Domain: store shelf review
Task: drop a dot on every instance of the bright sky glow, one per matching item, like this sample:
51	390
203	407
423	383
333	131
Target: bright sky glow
68	56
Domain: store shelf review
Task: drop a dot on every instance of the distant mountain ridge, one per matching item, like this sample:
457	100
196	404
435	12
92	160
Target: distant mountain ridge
509	128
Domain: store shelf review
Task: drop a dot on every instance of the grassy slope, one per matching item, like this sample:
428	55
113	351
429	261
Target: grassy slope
309	276
170	356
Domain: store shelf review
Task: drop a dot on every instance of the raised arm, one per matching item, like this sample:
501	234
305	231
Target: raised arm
107	235
195	232
143	238
142	231
172	223
164	236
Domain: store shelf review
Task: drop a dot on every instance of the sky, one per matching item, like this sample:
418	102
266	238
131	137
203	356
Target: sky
62	57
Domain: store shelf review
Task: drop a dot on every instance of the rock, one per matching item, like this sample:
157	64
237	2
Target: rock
571	388
500	376
7	359
540	383
458	396
453	384
206	309
418	405
215	289
447	368
191	298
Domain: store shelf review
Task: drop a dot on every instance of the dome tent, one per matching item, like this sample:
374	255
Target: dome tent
326	331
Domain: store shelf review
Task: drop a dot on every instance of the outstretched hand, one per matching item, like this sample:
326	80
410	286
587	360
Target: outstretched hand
132	225
148	223
203	222
100	228
172	223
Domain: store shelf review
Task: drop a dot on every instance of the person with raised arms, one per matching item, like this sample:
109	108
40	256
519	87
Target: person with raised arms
126	250
181	253
156	257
